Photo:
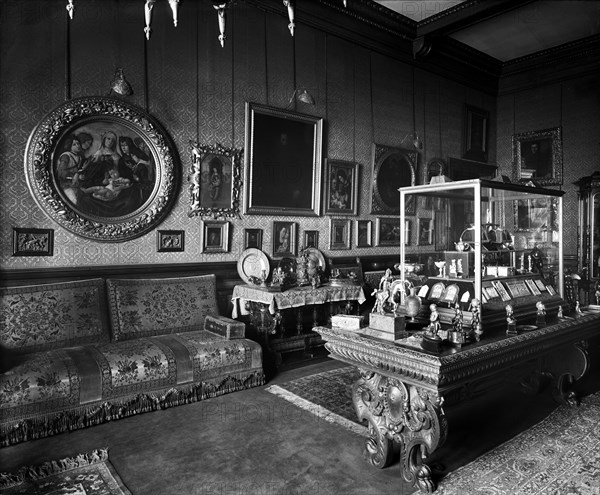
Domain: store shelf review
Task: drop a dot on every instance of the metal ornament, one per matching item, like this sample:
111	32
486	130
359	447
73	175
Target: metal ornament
290	8
174	7
70	9
148	16
221	15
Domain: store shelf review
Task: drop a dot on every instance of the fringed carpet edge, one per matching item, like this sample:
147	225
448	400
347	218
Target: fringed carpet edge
38	474
318	411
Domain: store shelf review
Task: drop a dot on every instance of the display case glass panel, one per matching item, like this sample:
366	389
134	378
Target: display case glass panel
497	242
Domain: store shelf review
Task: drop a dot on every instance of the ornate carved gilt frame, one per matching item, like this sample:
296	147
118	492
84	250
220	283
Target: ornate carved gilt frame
206	198
60	196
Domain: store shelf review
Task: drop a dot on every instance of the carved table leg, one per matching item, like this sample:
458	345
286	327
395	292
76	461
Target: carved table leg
404	414
566	367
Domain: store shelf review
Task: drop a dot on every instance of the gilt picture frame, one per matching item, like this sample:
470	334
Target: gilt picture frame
216	180
341	187
284	239
537	157
387	231
33	242
253	238
170	241
311	239
364	233
215	236
102	168
339	233
392	168
283	162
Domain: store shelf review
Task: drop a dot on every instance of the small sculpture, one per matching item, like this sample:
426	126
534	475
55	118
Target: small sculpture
383	293
578	311
511	326
541	314
457	321
475	308
434	322
560	312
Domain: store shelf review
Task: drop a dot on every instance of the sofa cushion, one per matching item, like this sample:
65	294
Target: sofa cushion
51	316
148	307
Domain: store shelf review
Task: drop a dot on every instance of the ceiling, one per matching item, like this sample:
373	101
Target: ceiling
503	29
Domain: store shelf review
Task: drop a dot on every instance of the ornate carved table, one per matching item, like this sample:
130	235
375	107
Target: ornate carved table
402	387
264	309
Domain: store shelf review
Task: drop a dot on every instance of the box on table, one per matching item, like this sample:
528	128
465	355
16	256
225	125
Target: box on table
386	326
225	327
347	322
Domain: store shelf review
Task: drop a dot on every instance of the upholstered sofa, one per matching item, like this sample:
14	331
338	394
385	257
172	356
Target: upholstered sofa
80	353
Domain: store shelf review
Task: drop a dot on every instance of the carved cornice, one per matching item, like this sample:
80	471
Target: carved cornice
563	62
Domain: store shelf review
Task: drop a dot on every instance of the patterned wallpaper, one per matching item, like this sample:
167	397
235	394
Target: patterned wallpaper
197	91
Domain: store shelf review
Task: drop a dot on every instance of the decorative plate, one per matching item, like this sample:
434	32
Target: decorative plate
252	263
316	255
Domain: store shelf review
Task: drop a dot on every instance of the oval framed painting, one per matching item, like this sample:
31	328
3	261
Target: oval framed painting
102	168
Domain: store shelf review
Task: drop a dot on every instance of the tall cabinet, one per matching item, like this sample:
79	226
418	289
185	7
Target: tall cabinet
589	236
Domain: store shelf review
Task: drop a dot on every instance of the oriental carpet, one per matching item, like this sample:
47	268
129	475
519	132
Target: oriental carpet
84	474
559	455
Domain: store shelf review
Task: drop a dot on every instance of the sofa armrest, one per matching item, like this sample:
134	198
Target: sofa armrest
225	327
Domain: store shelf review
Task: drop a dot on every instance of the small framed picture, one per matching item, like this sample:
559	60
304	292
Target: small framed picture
311	239
387	231
253	238
215	236
425	231
169	241
339	233
476	134
363	233
284	239
341	187
33	242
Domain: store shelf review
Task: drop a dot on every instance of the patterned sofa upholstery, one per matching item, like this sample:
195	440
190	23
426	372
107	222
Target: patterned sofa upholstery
85	352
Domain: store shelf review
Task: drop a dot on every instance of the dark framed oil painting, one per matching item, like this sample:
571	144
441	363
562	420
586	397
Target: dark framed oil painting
282	163
392	168
102	168
341	187
537	157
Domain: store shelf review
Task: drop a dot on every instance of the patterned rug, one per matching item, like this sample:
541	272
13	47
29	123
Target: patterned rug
560	455
84	474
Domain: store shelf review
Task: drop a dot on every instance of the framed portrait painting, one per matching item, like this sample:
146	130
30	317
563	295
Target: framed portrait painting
282	163
339	233
216	180
424	231
387	231
392	168
341	187
311	239
102	168
364	235
215	236
475	138
33	242
284	239
253	238
537	157
170	241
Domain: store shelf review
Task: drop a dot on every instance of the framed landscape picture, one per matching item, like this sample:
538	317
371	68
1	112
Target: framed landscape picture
387	231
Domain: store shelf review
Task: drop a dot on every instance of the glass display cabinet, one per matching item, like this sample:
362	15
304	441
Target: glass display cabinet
496	242
589	236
